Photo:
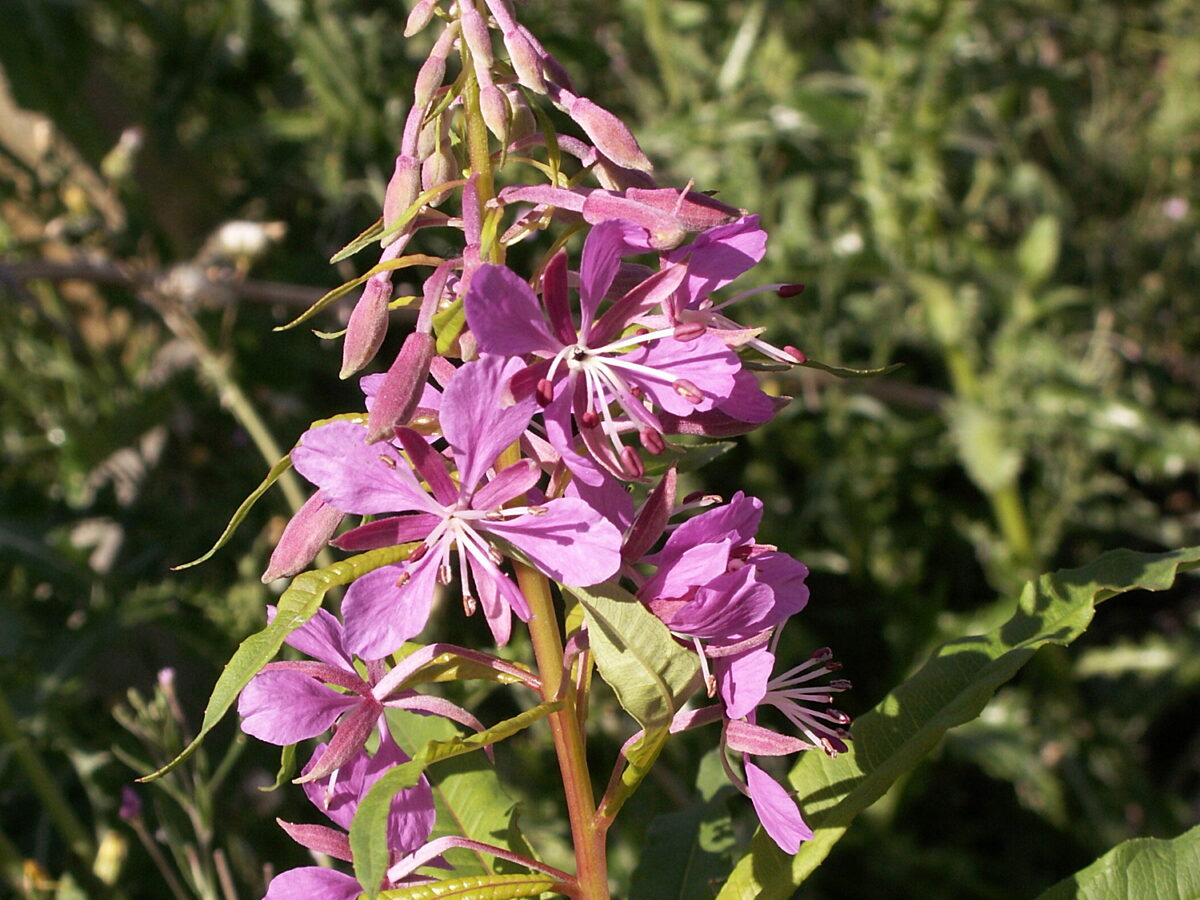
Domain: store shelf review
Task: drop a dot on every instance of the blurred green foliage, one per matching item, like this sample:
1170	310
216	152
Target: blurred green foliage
1001	196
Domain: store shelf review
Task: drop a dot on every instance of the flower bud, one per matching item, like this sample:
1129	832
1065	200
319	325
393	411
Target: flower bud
367	326
309	530
522	122
401	389
419	17
403	188
478	40
525	61
611	136
494	108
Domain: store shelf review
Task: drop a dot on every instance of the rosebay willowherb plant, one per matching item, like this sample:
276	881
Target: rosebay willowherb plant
529	434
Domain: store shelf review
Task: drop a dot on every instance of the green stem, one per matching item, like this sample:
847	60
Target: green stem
73	831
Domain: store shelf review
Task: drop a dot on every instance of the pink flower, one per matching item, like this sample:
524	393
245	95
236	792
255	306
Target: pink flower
564	537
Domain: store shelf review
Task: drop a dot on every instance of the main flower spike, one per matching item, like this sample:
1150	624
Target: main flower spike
564	537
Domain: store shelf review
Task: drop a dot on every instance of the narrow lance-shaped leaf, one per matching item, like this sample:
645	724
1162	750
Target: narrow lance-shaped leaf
297	605
470	799
1141	869
952	688
403	262
368	831
478	887
241	512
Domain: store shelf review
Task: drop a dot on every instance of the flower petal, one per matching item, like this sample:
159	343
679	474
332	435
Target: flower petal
380	616
282	707
354	475
476	422
776	810
313	883
504	315
570	542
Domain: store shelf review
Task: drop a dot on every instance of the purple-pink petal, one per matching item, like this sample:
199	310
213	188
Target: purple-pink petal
358	477
321	638
282	707
381	615
504	315
476	421
570	542
742	680
388	532
776	810
313	883
705	362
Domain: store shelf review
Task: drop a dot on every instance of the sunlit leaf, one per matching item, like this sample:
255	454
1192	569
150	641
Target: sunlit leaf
241	512
1141	869
297	605
480	887
952	688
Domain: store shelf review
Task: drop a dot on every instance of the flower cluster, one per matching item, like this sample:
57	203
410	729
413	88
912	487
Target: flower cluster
538	446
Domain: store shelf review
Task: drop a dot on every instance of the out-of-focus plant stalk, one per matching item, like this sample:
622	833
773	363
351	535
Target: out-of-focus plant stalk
73	831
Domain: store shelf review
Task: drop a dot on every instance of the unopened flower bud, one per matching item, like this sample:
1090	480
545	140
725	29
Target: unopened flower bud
367	326
419	17
429	78
402	190
401	389
611	136
494	108
479	41
131	804
525	60
521	119
309	530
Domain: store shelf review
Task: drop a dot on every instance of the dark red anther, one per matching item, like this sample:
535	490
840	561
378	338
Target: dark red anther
652	441
689	331
790	290
544	391
795	354
632	463
589	419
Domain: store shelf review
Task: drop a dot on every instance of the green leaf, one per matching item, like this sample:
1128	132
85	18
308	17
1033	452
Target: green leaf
1141	869
368	831
468	794
698	841
391	265
368	236
1038	252
847	372
242	511
487	887
297	605
951	688
287	768
649	671
448	325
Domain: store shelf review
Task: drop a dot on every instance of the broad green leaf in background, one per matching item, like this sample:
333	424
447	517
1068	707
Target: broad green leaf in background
470	798
698	842
1141	869
297	605
952	688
